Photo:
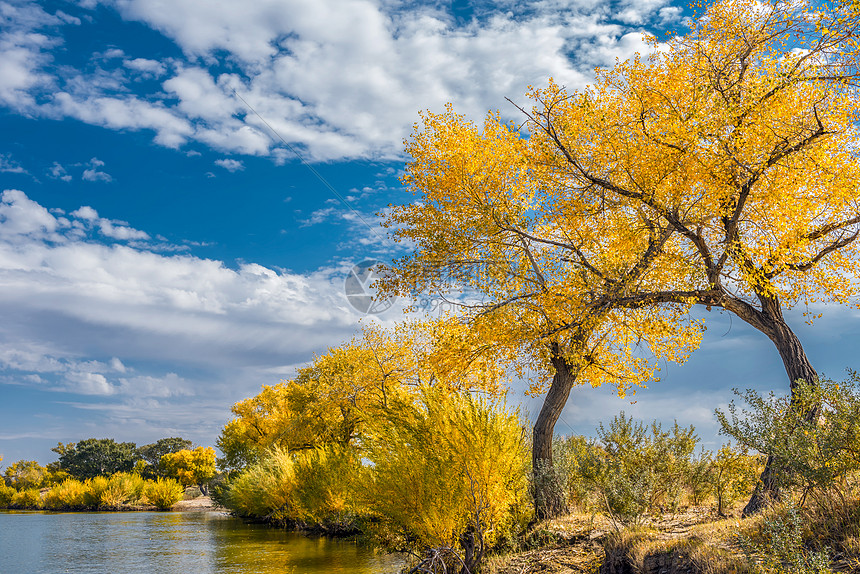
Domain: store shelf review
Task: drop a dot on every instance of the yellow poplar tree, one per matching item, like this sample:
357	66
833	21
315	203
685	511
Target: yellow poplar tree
190	466
720	170
535	270
741	136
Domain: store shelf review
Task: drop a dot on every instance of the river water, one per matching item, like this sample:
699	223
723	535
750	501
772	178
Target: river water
171	543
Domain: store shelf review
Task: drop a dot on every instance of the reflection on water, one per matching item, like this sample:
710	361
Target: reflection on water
171	543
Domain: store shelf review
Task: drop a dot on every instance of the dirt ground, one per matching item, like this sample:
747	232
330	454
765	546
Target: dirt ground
581	548
199	504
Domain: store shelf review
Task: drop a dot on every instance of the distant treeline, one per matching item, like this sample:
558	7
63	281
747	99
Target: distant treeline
102	474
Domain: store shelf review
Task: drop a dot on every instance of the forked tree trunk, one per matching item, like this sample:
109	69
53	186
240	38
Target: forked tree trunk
797	366
548	497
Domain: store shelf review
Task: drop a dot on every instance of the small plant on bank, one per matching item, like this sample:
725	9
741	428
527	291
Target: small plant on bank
70	494
6	494
779	547
632	469
731	474
28	498
163	493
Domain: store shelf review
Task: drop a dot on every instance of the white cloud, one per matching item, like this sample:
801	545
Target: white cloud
92	173
9	165
219	332
108	228
21	217
25	53
85	212
230	165
147	69
336	79
57	171
319	216
168	337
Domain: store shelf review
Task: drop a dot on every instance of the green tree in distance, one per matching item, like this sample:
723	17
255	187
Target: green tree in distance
96	457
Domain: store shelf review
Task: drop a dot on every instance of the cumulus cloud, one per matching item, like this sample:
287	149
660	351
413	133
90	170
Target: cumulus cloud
178	335
57	171
92	172
146	68
334	79
230	165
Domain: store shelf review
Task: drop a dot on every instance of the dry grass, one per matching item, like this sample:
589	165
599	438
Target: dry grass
695	539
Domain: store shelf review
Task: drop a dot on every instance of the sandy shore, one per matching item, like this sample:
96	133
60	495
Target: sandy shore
199	504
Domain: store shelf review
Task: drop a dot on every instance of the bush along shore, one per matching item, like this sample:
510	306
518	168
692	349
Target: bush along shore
121	491
102	474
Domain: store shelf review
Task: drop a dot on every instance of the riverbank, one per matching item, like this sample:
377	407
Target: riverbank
199	504
694	541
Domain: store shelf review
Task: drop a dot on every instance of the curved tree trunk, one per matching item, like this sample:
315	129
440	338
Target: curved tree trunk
770	321
548	497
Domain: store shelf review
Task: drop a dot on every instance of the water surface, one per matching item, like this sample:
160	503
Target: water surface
171	543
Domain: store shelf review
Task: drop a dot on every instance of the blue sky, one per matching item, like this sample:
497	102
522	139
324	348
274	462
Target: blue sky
163	253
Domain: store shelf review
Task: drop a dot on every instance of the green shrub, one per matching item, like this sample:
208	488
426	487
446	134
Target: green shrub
633	469
812	438
27	498
70	494
567	452
163	493
779	546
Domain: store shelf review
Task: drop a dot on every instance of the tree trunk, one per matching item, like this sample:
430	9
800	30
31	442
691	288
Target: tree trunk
547	493
797	366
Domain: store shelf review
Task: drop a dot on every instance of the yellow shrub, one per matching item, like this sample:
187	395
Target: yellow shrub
96	488
266	489
68	495
325	491
6	494
28	498
448	465
163	493
315	486
123	488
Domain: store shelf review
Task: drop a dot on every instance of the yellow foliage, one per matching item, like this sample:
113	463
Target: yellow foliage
97	491
327	402
26	474
163	493
189	466
6	494
68	495
315	486
28	498
742	136
553	274
446	464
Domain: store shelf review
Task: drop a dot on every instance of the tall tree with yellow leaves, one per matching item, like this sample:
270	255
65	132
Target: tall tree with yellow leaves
742	137
537	271
720	170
